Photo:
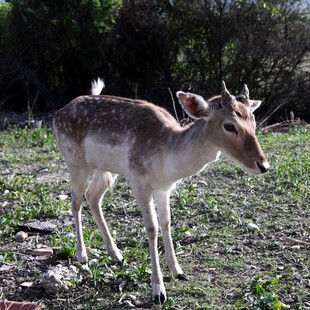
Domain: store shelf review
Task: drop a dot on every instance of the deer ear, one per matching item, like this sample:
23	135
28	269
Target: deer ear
254	104
194	105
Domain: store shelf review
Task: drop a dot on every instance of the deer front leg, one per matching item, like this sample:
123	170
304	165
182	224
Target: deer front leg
163	209
145	200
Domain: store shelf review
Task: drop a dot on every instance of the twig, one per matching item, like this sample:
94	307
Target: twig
294	122
185	255
15	253
125	205
30	108
203	182
173	103
292	261
293	240
266	118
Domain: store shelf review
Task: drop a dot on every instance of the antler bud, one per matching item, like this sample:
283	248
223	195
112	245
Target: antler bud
245	91
226	96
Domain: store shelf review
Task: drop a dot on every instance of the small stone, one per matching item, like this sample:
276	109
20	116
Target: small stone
252	226
43	171
62	197
289	300
26	284
93	262
70	235
21	236
187	234
296	247
73	269
42	252
4	268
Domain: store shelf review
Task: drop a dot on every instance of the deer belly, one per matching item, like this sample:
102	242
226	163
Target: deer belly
108	157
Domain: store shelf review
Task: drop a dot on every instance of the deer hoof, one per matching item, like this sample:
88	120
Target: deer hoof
159	299
183	277
82	257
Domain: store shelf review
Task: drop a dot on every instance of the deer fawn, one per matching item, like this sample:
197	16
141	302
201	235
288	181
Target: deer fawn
102	136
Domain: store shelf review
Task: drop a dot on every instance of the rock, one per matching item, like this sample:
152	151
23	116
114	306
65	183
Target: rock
42	252
59	278
44	227
21	236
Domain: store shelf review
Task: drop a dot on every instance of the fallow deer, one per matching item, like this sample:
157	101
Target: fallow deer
103	136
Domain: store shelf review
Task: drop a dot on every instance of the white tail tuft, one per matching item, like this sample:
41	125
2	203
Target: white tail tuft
97	86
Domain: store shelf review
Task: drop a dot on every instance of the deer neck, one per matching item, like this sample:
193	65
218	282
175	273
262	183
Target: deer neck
191	150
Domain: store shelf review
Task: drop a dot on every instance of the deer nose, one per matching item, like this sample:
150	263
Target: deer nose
263	166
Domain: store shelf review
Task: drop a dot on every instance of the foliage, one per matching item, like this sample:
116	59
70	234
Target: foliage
52	44
264	44
51	51
143	48
4	11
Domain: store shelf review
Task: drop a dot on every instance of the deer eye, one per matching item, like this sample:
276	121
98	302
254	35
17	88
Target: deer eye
239	114
230	128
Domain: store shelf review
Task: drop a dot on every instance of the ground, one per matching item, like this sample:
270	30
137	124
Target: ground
229	266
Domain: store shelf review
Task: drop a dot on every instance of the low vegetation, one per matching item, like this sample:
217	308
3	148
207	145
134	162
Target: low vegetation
229	265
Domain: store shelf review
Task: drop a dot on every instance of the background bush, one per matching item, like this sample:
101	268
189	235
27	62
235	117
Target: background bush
50	50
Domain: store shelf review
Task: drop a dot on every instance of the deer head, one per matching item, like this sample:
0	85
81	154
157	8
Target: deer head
230	125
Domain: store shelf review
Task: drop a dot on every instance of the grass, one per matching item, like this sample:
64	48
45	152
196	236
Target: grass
229	266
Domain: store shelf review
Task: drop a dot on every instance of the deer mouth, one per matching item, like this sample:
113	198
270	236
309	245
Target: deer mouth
263	167
260	168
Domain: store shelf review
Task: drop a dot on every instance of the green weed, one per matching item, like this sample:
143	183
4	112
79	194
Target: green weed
261	294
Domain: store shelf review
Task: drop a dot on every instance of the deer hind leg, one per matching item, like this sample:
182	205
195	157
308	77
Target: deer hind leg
95	191
145	201
163	209
79	178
